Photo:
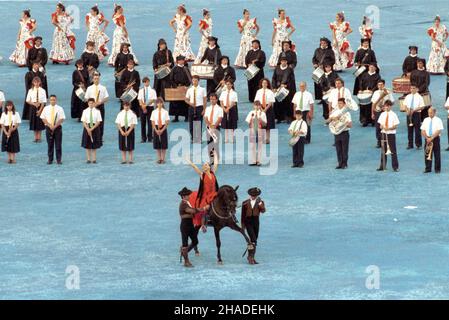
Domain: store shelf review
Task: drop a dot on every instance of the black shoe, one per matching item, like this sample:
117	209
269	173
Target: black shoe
378	146
338	167
253	164
295	166
301	166
186	119
396	170
59	162
380	169
409	147
427	171
418	147
344	167
364	125
437	171
142	141
49	162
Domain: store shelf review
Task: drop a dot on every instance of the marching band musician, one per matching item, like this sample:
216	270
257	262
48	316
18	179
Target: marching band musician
223	73
213	116
336	94
431	131
256	119
363	58
342	138
298	128
327	83
303	101
37	54
29	76
322	56
292	59
414	103
53	116
266	97
179	76
120	64
162	57
89	57
80	79
283	76
256	56
411	61
368	82
147	97
388	122
421	79
213	56
380	96
446	106
196	98
100	95
131	79
228	101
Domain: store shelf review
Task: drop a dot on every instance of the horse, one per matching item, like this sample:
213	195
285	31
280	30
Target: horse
221	214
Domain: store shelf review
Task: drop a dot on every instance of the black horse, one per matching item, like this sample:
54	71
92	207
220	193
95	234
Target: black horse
222	213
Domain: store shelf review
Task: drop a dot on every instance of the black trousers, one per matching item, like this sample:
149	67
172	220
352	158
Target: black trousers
436	155
145	125
448	130
188	231
342	147
391	138
309	128
101	126
378	130
365	114
298	152
415	119
54	142
196	119
252	227
325	109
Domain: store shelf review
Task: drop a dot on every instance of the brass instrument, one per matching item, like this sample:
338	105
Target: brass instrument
381	98
429	151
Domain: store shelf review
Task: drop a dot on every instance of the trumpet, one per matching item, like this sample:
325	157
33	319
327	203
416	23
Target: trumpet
429	151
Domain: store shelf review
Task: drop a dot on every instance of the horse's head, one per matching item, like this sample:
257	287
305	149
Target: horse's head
228	198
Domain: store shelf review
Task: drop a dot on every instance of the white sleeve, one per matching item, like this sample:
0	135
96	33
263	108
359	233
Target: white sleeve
117	119
62	115
249	117
99	118
447	102
140	95
106	94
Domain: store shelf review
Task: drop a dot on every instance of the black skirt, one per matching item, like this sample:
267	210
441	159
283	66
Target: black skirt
76	106
178	108
36	123
11	145
271	119
87	143
126	143
160	142
230	119
26	111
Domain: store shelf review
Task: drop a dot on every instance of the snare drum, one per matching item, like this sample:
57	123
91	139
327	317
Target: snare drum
204	71
281	94
401	85
175	94
365	97
326	95
80	93
427	99
359	71
317	74
162	72
220	90
129	95
251	72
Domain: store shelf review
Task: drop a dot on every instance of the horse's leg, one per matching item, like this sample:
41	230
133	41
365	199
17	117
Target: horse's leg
251	246
218	242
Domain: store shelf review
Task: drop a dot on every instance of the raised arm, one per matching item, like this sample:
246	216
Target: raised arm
197	170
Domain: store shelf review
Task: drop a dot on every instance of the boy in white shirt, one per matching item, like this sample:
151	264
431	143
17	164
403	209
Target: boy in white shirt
196	99
213	116
126	122
256	120
304	101
91	139
53	116
147	97
298	128
414	103
388	122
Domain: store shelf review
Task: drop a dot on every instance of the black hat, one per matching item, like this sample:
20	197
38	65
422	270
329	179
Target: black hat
180	57
325	39
211	38
365	40
287	41
410	48
256	40
254	192
184	192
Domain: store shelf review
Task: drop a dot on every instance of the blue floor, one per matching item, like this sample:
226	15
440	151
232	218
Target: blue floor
323	228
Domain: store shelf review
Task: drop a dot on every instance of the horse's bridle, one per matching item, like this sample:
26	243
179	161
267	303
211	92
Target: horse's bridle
218	215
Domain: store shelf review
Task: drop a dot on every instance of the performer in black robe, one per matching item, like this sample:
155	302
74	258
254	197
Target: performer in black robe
213	56
292	59
323	55
80	79
284	76
89	57
421	79
363	57
223	73
120	64
29	76
179	76
446	69
368	81
131	78
411	61
327	82
163	56
255	56
37	54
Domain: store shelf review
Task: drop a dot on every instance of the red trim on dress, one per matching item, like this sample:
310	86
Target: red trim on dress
187	18
289	23
203	24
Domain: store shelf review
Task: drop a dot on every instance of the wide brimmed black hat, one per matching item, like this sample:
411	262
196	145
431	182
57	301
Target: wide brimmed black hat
254	192
184	192
180	57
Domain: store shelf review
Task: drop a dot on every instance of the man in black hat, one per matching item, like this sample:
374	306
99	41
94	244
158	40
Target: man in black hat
411	61
257	57
162	57
323	55
421	79
180	76
363	58
292	59
252	208
186	213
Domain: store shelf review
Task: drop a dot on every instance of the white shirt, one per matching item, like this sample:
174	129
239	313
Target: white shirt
418	101
253	202
59	114
96	115
91	92
33	95
146	94
164	116
2	97
232	97
393	120
252	115
377	94
437	124
218	113
337	112
333	96
15	119
307	100
200	95
299	125
269	96
132	118
447	104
